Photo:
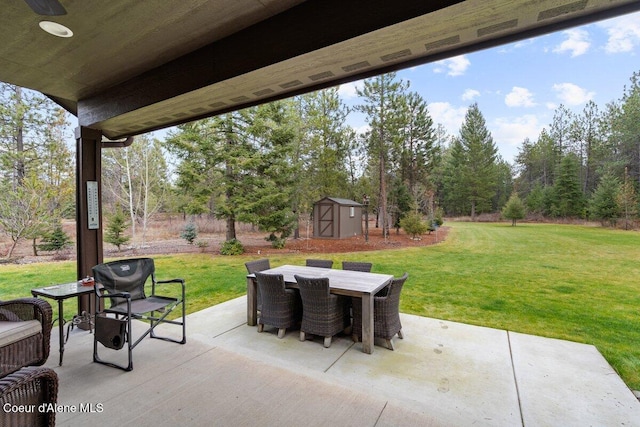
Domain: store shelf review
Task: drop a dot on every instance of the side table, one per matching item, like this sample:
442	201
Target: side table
60	293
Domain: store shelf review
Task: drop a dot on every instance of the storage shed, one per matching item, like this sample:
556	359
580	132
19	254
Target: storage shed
335	218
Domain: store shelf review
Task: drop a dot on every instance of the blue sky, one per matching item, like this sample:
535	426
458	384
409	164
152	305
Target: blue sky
518	86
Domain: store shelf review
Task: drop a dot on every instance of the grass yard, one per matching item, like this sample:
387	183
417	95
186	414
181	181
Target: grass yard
561	281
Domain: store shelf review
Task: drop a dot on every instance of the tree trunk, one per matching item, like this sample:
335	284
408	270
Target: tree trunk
231	228
20	168
383	198
11	249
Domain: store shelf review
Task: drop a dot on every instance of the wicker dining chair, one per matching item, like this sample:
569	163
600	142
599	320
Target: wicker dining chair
255	266
357	266
386	313
323	313
322	263
281	307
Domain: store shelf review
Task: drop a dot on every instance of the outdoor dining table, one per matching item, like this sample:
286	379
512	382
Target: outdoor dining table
341	282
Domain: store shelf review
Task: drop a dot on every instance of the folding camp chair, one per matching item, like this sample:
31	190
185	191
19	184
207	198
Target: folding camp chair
123	283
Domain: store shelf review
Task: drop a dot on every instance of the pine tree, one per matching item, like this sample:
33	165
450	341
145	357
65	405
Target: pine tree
567	192
189	233
604	201
381	104
114	232
55	240
627	200
473	164
514	209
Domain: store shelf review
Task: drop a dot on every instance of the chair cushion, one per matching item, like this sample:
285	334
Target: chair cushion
11	332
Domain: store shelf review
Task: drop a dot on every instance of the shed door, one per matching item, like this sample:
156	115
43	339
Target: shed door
325	220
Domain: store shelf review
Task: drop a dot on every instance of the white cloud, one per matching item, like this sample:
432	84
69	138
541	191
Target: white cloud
363	129
514	130
349	90
623	32
455	66
519	97
577	42
509	133
448	116
470	94
571	94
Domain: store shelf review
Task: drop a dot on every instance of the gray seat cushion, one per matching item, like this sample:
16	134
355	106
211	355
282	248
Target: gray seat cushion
11	332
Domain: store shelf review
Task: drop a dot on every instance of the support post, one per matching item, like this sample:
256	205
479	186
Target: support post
88	208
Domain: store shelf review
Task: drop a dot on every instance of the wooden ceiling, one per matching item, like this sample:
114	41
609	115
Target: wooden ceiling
137	66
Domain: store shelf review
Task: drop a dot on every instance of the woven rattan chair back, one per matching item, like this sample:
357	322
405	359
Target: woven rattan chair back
257	265
357	266
281	307
322	263
386	313
322	312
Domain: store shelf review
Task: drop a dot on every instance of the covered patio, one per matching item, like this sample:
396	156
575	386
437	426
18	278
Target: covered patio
125	68
442	374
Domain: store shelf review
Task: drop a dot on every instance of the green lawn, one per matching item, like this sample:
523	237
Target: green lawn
562	281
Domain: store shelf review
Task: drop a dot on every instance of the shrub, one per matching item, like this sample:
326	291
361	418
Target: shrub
232	247
412	224
276	242
55	240
189	233
202	244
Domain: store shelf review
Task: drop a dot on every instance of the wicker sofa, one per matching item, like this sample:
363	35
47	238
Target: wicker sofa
25	333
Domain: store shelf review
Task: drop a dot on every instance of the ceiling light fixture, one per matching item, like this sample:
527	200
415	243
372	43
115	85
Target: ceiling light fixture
56	29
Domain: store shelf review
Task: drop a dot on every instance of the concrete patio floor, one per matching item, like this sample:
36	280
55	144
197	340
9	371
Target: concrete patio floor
442	374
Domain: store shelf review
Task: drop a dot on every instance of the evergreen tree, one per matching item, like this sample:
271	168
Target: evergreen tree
380	103
535	200
604	202
456	192
627	201
413	225
474	163
419	151
567	192
34	164
326	144
55	240
625	120
114	231
514	209
269	203
189	233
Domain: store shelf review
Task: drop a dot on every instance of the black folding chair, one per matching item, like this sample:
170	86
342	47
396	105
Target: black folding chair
123	284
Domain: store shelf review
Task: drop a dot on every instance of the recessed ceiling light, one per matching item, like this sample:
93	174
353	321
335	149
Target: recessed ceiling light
56	29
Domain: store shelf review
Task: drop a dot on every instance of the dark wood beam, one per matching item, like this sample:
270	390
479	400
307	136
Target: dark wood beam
88	235
310	26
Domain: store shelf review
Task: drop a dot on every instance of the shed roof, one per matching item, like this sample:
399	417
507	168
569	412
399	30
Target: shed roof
347	202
